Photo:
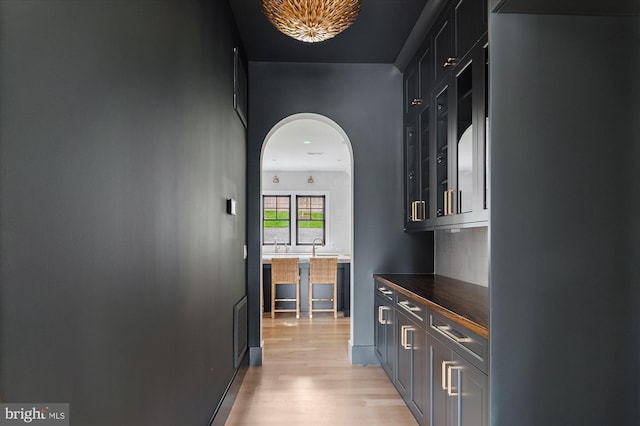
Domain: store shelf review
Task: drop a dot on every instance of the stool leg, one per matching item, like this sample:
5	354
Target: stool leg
273	300
335	299
298	298
310	299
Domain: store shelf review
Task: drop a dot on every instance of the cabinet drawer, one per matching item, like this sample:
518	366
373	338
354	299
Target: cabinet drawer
384	291
412	308
469	345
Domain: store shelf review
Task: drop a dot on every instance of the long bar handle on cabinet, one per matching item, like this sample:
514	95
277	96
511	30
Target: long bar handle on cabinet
424	210
444	329
448	202
414	210
385	291
450	391
408	306
403	336
445	374
381	310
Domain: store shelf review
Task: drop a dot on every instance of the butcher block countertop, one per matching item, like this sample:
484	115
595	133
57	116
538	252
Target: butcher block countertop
463	302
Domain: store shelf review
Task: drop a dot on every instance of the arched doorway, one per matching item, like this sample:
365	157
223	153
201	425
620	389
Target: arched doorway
307	157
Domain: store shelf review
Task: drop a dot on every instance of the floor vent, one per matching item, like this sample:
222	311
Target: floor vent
239	331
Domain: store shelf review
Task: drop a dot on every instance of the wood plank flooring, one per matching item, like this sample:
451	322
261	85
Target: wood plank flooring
306	379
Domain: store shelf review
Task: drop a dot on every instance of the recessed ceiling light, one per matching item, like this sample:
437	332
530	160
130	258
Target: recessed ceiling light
306	142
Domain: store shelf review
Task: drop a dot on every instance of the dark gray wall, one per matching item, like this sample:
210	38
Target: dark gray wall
366	101
118	265
564	233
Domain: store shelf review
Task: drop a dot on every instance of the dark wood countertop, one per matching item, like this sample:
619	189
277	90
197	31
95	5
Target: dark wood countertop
463	302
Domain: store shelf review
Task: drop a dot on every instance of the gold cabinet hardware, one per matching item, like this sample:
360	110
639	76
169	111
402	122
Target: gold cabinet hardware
445	374
385	291
408	306
381	319
451	61
448	201
416	101
445	378
416	216
403	336
444	329
450	390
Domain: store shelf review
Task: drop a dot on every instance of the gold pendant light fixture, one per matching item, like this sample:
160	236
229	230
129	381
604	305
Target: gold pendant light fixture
311	21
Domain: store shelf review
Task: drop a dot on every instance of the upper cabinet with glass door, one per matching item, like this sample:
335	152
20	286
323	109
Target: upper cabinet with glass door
417	146
446	170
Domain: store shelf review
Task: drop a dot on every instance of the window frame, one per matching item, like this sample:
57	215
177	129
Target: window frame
324	218
272	243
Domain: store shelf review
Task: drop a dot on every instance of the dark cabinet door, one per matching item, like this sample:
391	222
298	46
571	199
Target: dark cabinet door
443	53
460	391
411	369
412	174
471	393
440	359
458	29
411	96
467	16
384	335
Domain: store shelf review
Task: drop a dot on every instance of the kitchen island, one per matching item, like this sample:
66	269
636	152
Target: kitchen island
344	279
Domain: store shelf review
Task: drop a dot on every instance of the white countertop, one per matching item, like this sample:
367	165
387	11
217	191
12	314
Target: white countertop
304	257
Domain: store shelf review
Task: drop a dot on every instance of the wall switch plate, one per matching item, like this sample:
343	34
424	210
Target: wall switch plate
231	206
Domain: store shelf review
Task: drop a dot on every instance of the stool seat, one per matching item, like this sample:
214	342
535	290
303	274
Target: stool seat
285	271
323	271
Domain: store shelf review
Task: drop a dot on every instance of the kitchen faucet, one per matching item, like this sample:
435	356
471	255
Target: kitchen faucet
313	250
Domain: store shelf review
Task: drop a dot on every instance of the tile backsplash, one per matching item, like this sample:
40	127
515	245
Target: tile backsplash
463	255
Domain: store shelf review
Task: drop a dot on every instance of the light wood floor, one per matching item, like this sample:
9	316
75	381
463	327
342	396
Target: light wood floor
306	379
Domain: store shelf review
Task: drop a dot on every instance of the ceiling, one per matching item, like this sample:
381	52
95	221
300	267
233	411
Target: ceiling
383	30
306	145
377	36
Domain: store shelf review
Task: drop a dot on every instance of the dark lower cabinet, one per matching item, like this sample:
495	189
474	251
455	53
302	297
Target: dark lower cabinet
459	390
438	366
411	371
385	334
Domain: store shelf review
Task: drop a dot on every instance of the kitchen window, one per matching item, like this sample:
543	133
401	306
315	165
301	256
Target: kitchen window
276	223
310	218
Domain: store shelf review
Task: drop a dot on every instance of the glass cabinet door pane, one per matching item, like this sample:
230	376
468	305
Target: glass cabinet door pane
442	150
486	128
424	163
464	132
412	173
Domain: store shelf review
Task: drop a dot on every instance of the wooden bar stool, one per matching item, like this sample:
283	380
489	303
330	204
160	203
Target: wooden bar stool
285	270
324	271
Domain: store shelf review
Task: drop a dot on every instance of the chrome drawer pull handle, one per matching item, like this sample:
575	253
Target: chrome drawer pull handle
444	329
